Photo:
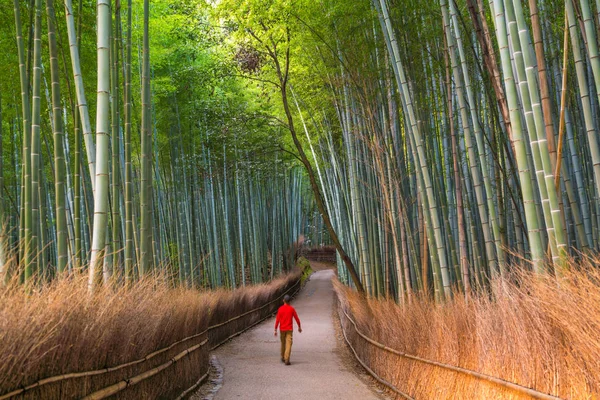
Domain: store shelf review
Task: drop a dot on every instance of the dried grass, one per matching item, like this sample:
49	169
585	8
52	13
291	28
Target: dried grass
539	332
58	329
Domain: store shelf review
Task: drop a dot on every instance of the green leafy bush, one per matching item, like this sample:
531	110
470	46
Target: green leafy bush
304	265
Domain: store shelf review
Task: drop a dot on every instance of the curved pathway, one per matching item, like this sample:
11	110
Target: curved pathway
252	368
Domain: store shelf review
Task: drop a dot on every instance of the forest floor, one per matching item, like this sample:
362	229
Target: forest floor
320	365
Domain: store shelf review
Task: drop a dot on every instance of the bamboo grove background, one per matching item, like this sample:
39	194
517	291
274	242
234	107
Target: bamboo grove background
125	167
450	139
456	139
483	191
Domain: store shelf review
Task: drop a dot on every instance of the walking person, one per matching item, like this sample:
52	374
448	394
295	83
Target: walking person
286	327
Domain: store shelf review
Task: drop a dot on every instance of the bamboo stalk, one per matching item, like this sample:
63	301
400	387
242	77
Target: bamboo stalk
74	44
59	152
146	259
563	99
34	250
100	227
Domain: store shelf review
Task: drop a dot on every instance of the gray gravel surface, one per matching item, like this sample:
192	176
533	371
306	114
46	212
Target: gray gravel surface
252	368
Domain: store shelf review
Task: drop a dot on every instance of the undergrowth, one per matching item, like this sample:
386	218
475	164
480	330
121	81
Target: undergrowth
58	329
541	332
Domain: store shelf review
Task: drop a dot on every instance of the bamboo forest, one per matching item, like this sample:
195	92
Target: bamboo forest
172	171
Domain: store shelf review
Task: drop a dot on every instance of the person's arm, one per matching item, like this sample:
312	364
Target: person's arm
297	321
276	323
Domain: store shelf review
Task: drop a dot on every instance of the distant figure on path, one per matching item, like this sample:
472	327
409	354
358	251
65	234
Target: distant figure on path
286	327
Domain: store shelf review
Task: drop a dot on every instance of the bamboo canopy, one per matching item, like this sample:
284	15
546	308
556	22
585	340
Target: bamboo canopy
436	145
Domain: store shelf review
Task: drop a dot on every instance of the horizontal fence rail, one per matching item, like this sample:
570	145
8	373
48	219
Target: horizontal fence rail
370	371
125	383
488	378
259	321
321	254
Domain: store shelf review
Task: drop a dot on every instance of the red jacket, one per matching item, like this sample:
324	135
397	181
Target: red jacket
284	318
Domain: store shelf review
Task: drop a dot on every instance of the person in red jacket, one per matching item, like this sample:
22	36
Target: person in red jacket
286	327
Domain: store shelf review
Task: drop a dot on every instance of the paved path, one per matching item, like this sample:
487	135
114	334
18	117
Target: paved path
253	370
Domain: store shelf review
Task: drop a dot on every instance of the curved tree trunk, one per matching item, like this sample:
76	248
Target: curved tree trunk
283	81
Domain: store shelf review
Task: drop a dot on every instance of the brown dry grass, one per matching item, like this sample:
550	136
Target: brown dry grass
59	329
539	332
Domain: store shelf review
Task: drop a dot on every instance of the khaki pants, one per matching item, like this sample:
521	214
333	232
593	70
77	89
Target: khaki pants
286	344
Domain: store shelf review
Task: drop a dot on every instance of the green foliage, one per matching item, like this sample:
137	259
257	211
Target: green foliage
304	265
379	139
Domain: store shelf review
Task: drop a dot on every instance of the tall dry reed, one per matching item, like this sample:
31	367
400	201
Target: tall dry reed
58	329
538	331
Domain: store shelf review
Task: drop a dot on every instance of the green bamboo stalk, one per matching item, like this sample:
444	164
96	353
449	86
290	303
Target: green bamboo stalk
26	217
588	113
79	89
146	254
116	143
479	137
77	181
415	133
533	225
102	143
59	152
240	231
3	219
543	163
480	176
579	179
463	256
543	79
225	204
46	238
357	208
129	245
77	194
34	266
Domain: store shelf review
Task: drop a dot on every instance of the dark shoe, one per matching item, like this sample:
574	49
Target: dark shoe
288	363
282	360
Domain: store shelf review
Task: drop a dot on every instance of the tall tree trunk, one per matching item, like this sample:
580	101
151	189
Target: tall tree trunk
283	75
